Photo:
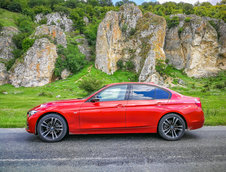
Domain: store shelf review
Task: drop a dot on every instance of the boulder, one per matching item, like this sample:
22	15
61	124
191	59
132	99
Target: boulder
53	32
60	20
37	66
65	73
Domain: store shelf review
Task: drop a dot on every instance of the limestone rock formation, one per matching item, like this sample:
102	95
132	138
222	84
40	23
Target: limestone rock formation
65	73
6	42
84	48
130	36
53	32
193	45
37	67
60	20
3	74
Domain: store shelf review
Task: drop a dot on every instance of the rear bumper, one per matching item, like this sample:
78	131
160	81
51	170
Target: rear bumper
196	120
196	125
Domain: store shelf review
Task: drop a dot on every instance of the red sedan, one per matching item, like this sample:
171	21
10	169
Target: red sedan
118	108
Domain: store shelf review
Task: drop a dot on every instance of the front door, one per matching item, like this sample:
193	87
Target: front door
108	112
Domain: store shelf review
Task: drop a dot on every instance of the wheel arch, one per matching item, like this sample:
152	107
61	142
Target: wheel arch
186	125
36	132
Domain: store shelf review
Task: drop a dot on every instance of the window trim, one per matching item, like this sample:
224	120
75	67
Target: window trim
126	96
131	89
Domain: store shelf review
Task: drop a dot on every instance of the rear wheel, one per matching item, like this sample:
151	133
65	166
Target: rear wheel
171	127
52	128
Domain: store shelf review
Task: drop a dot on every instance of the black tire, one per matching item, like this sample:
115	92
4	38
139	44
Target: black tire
171	127
52	128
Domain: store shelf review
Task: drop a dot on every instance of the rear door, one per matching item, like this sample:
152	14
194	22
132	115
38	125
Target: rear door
145	103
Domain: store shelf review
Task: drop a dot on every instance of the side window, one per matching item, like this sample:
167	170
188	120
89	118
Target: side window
142	92
147	92
161	94
114	93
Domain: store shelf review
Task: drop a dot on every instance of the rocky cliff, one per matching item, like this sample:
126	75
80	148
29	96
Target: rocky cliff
196	46
131	37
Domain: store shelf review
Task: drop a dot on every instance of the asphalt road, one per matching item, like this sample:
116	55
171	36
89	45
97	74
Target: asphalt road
198	150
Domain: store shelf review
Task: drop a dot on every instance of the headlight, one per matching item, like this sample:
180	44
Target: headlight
32	112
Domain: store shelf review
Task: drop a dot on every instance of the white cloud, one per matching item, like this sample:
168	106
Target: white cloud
189	1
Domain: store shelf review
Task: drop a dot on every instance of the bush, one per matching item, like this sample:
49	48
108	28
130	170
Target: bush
15	7
1	27
90	84
124	28
45	94
180	30
27	43
172	22
132	31
129	66
160	66
187	19
120	64
43	21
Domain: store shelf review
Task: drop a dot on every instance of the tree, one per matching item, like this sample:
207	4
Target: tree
15	6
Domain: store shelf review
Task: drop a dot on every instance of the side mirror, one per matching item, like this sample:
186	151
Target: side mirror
95	99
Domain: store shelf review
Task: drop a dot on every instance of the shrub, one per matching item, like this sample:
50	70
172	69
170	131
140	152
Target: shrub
129	66
15	6
172	22
120	64
124	28
27	43
90	84
132	31
180	30
187	19
43	21
1	27
160	66
45	94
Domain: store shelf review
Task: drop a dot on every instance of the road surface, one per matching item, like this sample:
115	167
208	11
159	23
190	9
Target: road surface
198	150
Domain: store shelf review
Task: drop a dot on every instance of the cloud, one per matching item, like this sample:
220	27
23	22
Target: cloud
188	1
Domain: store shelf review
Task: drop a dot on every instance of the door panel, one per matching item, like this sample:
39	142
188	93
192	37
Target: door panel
143	113
108	111
102	115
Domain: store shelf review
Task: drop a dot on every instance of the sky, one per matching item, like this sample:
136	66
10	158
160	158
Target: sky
138	2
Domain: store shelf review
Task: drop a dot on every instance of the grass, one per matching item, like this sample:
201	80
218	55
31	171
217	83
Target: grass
8	18
15	104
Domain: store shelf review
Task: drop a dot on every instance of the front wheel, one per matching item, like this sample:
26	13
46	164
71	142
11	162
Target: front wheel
52	128
171	127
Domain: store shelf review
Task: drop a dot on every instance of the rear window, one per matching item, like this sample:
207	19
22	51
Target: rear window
147	92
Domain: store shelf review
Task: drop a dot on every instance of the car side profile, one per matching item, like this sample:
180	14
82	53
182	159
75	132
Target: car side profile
118	108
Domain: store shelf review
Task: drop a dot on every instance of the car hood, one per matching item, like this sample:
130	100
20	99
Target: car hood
75	102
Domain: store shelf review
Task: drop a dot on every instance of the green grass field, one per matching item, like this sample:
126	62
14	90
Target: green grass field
8	18
15	104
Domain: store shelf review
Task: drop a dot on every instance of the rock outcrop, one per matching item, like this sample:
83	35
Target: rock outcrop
84	47
130	36
6	42
3	74
60	20
37	67
53	32
193	45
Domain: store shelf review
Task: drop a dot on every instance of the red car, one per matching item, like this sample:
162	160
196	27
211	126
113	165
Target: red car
118	108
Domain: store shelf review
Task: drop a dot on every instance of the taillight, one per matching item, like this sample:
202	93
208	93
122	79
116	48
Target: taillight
198	103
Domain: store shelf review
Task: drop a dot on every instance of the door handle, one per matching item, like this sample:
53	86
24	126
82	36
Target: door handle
119	105
159	103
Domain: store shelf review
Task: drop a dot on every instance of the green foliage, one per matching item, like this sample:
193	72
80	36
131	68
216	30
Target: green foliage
125	65
180	30
27	43
124	28
1	27
187	19
69	58
43	21
46	94
172	21
160	66
132	31
90	84
120	64
14	6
